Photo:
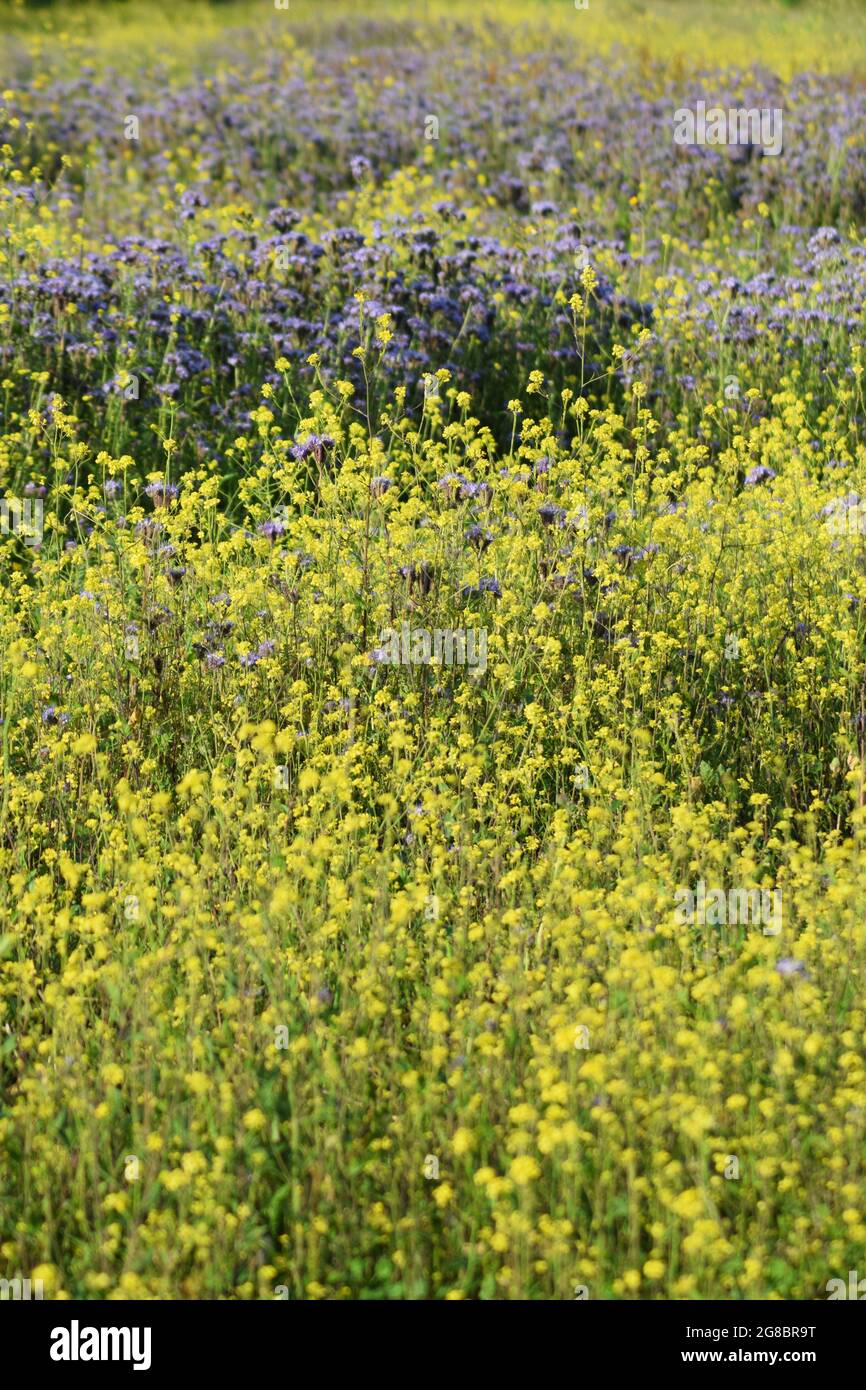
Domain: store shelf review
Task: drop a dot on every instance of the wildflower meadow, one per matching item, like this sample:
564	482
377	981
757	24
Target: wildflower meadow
433	650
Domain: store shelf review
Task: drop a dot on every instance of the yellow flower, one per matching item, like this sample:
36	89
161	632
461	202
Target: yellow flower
524	1170
689	1204
49	1277
463	1140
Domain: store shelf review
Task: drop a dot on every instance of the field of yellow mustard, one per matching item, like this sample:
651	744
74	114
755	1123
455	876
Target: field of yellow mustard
432	670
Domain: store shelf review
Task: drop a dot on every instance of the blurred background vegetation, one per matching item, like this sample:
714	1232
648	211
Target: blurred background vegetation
784	35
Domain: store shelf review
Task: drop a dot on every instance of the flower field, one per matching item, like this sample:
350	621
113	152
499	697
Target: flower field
434	552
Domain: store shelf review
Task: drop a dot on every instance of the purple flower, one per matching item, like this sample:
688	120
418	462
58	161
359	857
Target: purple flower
451	484
250	659
788	966
161	493
484	586
483	491
477	536
272	530
50	715
760	474
630	554
315	444
334	706
379	486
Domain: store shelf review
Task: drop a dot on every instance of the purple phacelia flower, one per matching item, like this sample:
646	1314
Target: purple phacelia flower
51	715
451	484
483	491
760	474
484	586
161	493
361	168
315	445
263	650
789	966
477	536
